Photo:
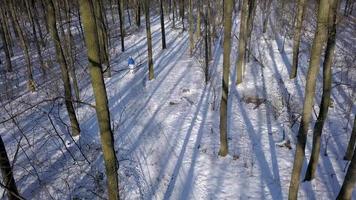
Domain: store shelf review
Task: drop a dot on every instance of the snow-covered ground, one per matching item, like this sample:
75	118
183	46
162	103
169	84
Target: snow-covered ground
167	130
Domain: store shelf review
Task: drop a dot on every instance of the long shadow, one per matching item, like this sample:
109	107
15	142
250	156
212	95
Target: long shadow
266	174
178	165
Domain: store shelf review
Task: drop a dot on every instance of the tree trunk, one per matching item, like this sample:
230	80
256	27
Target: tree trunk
34	32
325	99
7	175
138	13
122	25
102	34
266	13
352	141
6	30
250	20
297	36
101	100
191	29
173	11
350	179
206	42
228	4
69	41
240	65
314	65
198	31
6	47
162	26
51	19
149	40
30	81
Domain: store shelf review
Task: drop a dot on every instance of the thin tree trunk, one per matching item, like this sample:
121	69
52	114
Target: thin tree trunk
6	47
69	41
240	65
149	40
7	174
30	81
297	36
206	41
228	4
128	13
250	20
350	179
102	33
37	23
34	32
173	11
122	25
198	31
101	100
351	144
138	13
164	46
51	19
325	99
6	30
314	65
191	29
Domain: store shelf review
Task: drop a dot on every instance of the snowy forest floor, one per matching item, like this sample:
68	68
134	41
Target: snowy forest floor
167	129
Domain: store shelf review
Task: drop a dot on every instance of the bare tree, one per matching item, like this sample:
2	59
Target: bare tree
101	100
318	42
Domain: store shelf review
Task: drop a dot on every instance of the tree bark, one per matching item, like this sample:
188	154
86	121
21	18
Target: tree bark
314	65
351	144
297	37
191	29
164	46
101	100
34	32
350	179
7	174
228	4
30	81
122	25
240	65
102	34
69	41
6	47
325	99
51	19
149	40
198	31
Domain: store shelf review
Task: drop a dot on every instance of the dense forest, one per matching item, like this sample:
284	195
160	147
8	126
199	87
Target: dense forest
178	99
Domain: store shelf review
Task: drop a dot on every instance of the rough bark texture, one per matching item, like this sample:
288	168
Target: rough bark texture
101	101
164	46
325	99
51	19
6	172
242	42
102	34
30	81
6	47
351	145
149	40
297	36
191	28
122	25
34	32
314	65
69	41
228	4
350	179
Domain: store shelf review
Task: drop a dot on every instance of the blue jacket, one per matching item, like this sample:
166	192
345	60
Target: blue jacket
131	61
